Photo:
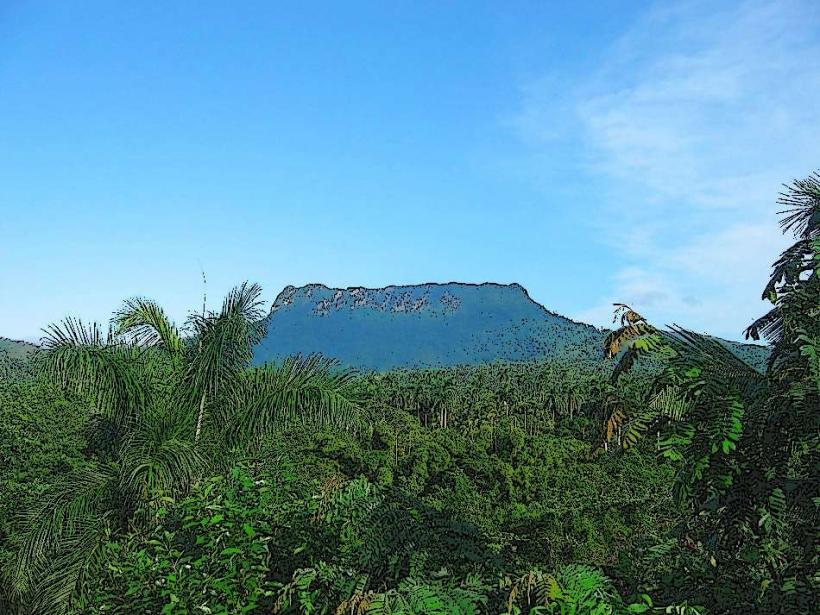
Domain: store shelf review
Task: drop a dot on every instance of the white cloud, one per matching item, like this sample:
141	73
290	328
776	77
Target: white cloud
697	116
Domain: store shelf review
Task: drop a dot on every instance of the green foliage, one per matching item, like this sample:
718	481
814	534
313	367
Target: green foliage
302	391
15	366
577	590
748	442
265	542
146	394
41	443
210	552
384	514
149	470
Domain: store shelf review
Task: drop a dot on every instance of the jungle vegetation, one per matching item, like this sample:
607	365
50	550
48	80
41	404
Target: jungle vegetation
146	468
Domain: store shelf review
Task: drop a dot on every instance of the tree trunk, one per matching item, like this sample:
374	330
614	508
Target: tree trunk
199	418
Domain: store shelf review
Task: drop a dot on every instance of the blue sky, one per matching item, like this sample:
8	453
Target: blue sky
598	152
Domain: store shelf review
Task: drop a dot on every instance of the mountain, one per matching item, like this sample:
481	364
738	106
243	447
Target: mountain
428	325
16	349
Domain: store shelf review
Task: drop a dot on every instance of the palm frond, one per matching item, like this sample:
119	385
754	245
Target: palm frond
61	583
723	370
73	332
145	322
226	340
58	516
87	361
633	327
158	461
793	262
769	326
225	343
244	302
304	390
802	201
618	338
668	403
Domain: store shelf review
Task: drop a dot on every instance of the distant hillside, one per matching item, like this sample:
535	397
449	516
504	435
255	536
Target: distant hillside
428	325
16	349
753	354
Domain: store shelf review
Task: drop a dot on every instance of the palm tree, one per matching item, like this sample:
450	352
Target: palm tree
302	390
139	454
225	342
794	281
150	392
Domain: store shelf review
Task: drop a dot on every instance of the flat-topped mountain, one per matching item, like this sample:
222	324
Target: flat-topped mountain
427	325
431	325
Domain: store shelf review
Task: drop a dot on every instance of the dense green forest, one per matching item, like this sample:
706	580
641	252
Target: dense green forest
146	468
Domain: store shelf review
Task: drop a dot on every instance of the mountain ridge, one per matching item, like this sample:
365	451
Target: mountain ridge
420	325
434	324
511	285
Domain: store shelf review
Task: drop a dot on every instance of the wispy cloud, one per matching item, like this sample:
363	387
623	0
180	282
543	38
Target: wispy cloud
696	116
